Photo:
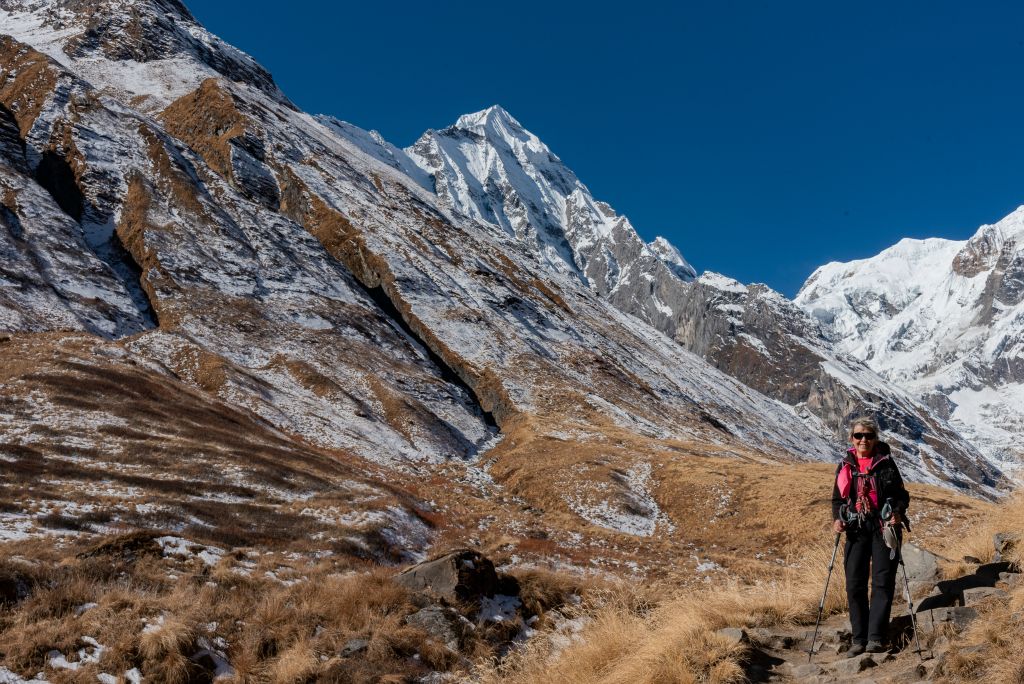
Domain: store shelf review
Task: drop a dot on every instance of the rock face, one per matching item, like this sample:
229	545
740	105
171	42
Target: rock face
443	624
170	49
941	319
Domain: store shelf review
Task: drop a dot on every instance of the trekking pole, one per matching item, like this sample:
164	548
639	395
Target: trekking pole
910	603
821	605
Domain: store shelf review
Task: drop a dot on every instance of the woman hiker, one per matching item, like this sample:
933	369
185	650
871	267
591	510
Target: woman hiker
867	486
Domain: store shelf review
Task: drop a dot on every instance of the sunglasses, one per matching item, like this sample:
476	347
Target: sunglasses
865	435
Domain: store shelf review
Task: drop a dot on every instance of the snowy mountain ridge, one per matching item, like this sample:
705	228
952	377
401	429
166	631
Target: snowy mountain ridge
489	167
943	319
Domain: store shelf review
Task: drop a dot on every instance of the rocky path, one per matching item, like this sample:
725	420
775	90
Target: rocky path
781	654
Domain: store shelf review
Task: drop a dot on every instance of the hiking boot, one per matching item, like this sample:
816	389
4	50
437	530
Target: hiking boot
875	647
855	650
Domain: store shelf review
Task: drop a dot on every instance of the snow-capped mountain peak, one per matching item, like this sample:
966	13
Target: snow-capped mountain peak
488	166
941	319
672	257
495	118
982	250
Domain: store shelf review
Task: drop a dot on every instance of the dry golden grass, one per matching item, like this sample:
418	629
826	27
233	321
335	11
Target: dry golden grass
748	513
152	615
989	649
654	635
641	634
159	614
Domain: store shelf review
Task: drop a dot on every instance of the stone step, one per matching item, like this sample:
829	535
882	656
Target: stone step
978	594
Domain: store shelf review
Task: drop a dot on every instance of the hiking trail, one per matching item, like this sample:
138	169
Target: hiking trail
780	654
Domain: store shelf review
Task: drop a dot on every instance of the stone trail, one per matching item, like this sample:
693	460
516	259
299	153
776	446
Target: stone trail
781	654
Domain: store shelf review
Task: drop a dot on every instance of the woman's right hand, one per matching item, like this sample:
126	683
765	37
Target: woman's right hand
838	526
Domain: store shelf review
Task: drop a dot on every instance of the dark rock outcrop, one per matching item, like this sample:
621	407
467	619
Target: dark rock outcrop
464	575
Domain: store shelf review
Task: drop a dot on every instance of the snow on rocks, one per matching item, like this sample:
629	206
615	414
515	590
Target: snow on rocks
91	653
721	282
176	546
213	658
8	677
499	608
132	676
489	167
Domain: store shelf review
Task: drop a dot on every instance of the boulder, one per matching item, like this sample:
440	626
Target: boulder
354	647
958	616
805	671
442	624
735	635
1010	579
769	639
922	567
916	672
464	575
833	635
952	592
849	667
977	594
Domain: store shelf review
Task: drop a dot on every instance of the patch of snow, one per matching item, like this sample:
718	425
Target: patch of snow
215	652
499	608
176	546
634	511
8	677
708	566
721	282
92	653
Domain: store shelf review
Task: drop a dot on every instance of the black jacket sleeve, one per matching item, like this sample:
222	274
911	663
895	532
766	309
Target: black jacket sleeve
837	501
899	494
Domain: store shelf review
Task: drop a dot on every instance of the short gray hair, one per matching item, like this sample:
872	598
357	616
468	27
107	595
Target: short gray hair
864	421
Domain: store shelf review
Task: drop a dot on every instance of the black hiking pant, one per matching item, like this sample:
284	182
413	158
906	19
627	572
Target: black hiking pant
866	556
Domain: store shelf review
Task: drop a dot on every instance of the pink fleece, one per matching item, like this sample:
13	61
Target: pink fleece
846	478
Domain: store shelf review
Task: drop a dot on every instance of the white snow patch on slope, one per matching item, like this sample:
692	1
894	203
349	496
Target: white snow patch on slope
633	510
721	282
8	677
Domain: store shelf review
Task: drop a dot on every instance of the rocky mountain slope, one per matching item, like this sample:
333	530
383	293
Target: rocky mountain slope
489	167
202	228
941	319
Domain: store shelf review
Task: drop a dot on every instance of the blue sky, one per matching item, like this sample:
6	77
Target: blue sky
762	138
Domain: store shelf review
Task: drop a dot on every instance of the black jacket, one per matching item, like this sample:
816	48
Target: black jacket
888	482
